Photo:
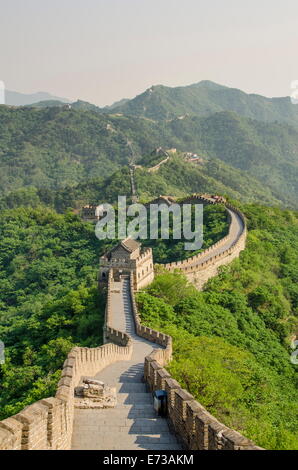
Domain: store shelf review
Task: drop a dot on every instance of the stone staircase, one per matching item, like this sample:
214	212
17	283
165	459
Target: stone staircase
133	423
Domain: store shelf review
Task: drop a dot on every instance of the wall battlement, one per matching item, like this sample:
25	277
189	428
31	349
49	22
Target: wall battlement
193	425
48	423
203	266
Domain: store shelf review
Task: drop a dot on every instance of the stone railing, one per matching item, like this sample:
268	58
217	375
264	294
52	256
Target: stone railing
111	334
47	424
184	264
162	355
199	272
194	427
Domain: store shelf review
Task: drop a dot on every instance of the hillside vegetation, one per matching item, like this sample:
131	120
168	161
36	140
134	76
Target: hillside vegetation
176	177
56	148
204	98
231	341
49	300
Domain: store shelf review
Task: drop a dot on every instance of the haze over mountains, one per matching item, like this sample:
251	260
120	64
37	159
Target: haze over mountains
160	102
249	142
14	98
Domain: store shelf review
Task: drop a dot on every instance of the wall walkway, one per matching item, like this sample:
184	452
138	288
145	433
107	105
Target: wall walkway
133	351
199	268
133	423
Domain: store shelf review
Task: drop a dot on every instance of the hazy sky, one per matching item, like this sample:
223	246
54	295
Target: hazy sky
105	50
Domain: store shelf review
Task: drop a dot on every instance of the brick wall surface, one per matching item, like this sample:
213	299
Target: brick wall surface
193	425
47	424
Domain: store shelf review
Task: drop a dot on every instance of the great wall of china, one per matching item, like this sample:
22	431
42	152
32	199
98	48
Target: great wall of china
133	361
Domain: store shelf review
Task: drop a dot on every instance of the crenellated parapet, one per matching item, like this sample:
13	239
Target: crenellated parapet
126	258
201	267
48	423
193	425
164	355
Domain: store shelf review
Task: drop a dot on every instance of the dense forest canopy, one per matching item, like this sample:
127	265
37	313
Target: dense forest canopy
49	300
231	341
203	99
56	148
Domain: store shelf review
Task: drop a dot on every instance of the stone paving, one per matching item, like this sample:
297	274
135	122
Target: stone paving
236	229
133	423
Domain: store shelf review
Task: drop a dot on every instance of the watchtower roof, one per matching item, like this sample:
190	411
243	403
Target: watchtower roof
130	245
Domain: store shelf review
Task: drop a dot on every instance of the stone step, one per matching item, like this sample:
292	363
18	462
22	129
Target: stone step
121	426
129	387
137	413
119	446
112	415
134	398
123	441
115	430
123	421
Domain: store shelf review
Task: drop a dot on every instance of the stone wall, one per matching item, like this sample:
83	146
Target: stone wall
154	168
47	424
194	427
162	355
200	272
189	420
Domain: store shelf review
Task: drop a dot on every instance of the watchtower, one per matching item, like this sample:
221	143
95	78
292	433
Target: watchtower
125	258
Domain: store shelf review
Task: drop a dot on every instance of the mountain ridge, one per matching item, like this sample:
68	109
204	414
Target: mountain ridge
160	102
60	146
15	98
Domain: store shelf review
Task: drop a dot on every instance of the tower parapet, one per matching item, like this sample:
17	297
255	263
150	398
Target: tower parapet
126	258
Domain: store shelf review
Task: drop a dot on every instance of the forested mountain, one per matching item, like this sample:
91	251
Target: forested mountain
176	177
204	98
14	98
54	148
231	341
